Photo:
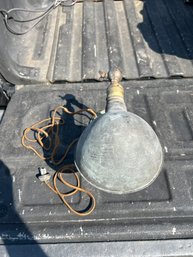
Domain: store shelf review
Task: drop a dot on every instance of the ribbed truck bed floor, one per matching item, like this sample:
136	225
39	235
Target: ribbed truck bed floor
145	39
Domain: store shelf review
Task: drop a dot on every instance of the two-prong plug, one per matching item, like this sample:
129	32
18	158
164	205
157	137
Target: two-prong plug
44	176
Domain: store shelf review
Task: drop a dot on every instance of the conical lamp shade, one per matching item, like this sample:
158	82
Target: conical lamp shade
119	152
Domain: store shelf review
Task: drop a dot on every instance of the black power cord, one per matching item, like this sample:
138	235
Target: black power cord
9	15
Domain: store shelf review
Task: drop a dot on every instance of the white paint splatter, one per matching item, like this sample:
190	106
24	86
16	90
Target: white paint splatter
81	230
22	236
47	236
149	203
138	92
95	51
173	230
13	178
19	194
154	122
174	209
166	149
177	91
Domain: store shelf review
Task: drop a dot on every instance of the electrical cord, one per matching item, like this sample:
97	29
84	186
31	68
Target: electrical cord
9	15
50	131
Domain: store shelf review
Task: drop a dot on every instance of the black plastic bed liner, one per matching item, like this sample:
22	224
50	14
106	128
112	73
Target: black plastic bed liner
30	212
145	39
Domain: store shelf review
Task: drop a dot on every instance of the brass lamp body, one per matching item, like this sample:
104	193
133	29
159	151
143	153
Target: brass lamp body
119	152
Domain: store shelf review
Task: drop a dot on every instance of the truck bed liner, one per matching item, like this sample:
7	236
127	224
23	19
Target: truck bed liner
30	211
145	39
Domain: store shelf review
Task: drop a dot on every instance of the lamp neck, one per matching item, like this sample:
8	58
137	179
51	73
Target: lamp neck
115	98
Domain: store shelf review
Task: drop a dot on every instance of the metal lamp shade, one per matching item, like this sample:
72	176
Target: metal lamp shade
119	153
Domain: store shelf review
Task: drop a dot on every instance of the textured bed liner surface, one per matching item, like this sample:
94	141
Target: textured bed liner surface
30	211
145	39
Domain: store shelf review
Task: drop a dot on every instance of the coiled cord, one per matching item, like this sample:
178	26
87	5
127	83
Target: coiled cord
50	131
